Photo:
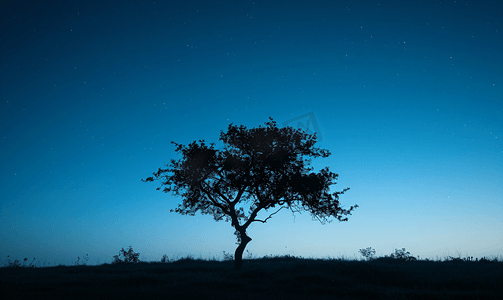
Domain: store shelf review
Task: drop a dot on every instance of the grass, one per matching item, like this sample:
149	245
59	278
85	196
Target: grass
271	277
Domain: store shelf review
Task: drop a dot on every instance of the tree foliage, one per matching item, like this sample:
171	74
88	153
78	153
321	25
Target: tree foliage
259	169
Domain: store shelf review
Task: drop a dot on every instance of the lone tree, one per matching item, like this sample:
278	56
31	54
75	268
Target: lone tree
258	169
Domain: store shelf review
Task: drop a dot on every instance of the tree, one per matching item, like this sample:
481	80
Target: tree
259	169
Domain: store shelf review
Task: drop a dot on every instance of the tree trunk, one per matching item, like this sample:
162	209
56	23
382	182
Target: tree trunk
238	255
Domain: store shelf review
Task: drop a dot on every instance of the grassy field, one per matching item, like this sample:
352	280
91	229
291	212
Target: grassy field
265	278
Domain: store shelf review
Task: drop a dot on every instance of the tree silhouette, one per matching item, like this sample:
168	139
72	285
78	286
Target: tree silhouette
259	169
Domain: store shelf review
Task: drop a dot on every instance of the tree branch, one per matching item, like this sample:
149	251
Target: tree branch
215	202
238	196
253	215
215	190
270	216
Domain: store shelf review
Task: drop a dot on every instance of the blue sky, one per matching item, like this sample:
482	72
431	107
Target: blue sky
408	97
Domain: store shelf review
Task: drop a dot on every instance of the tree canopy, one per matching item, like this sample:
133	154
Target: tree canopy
259	169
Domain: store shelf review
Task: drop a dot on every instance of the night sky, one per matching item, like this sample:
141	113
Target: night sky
407	96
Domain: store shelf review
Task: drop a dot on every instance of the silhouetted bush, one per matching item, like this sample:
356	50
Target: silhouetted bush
368	253
128	257
84	261
17	263
486	260
165	259
402	254
228	256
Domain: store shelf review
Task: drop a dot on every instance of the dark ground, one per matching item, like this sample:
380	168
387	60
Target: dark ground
271	278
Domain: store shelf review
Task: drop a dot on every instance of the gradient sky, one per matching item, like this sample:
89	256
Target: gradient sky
408	97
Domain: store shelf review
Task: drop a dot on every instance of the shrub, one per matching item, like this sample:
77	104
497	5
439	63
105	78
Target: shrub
17	263
228	256
165	259
454	259
85	259
368	253
402	254
127	257
488	260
